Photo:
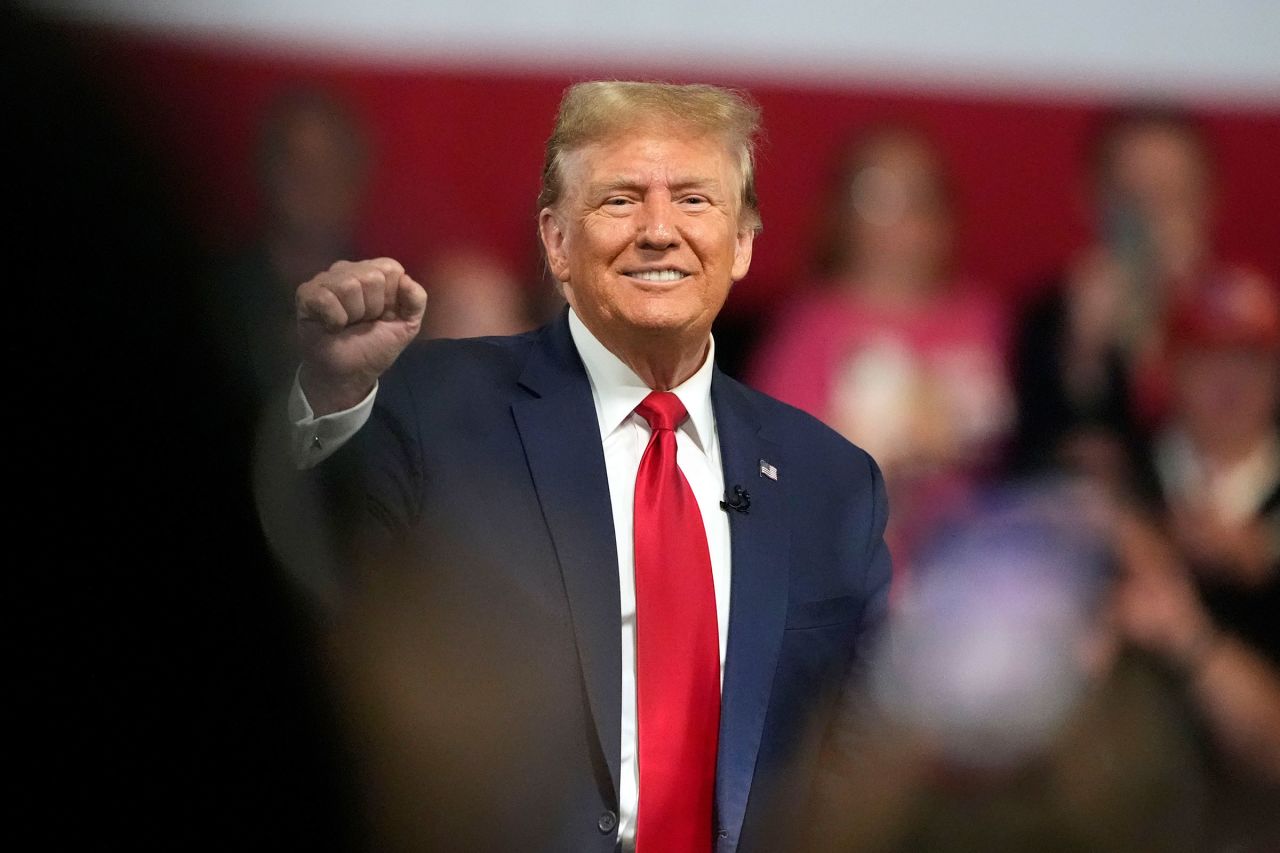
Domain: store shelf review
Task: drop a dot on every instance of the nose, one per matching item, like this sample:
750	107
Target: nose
655	228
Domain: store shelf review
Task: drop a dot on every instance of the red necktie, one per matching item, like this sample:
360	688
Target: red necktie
677	647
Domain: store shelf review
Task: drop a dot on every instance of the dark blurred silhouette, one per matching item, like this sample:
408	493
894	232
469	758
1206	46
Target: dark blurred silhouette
170	703
1090	373
312	161
891	349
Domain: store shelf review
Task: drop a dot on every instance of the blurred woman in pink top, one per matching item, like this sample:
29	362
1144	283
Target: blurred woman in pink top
888	348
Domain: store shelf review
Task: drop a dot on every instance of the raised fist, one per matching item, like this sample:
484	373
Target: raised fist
354	320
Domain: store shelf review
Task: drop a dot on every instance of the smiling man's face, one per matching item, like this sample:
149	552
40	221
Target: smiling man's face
649	236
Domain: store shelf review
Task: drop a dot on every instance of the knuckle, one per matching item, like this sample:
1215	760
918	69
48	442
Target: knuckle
388	264
310	298
313	284
345	286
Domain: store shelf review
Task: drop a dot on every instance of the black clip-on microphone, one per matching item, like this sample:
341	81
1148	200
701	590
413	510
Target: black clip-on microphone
740	502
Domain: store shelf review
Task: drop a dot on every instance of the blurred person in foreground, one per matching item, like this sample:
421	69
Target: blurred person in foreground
891	348
623	588
171	708
1090	377
1213	613
311	168
1006	710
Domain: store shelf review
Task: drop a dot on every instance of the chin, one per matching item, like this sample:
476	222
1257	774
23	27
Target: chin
656	318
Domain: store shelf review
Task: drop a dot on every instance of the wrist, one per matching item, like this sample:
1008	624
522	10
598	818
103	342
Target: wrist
327	394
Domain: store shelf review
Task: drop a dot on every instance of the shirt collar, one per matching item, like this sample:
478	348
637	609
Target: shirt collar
1237	492
618	390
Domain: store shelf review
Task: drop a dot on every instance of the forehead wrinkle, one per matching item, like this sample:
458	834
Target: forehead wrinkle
703	183
577	165
619	182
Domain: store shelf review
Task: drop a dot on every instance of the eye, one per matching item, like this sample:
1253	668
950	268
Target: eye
695	201
617	201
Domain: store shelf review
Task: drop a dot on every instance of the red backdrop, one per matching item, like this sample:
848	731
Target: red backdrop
458	155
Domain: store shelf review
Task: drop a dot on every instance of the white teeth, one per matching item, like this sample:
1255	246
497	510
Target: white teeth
658	275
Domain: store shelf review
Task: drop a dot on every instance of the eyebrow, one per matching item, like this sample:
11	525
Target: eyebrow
632	183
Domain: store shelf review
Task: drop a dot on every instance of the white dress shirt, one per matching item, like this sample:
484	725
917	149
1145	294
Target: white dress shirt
616	391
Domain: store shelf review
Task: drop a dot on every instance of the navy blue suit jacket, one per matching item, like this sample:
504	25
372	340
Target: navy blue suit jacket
482	467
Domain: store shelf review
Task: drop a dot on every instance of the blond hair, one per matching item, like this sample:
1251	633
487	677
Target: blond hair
594	111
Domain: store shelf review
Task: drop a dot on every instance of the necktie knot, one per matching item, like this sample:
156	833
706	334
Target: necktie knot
662	409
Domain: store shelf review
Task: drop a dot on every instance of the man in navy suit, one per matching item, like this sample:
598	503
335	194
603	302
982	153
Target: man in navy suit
640	585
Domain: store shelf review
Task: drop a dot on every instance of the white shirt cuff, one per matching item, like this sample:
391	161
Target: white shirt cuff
315	439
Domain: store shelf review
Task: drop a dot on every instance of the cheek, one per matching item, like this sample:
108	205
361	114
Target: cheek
715	249
1226	395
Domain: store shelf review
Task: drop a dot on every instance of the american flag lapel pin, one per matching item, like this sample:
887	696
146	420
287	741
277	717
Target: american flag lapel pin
767	470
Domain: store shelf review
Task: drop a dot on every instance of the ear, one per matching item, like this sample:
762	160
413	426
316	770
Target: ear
744	243
552	232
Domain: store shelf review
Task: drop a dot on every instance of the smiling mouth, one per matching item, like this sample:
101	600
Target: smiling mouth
657	276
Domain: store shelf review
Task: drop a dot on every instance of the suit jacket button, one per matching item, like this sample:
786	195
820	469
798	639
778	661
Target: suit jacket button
608	820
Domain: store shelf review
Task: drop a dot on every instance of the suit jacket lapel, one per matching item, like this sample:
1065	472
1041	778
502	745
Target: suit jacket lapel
757	603
561	438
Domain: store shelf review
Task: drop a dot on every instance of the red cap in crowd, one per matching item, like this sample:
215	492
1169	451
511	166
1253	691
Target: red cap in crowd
1236	308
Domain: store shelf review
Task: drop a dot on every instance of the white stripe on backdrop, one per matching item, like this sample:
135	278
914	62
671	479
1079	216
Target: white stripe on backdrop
1221	51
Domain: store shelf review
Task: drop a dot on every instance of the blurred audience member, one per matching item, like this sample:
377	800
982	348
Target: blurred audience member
311	170
890	349
1003	711
1212	609
1218	460
1089	379
474	295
